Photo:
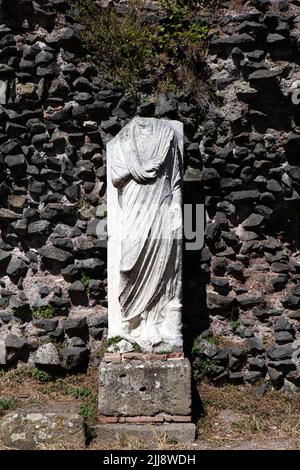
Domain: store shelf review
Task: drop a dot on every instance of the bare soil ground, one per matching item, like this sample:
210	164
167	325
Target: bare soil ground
233	417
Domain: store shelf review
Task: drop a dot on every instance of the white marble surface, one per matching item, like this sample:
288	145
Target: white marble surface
144	206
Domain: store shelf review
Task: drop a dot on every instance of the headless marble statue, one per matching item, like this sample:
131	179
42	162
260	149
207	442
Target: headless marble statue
145	234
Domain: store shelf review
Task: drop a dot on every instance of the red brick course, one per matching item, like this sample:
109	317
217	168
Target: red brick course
112	357
135	356
144	419
108	419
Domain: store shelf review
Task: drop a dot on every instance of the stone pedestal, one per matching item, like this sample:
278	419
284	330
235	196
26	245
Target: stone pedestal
145	395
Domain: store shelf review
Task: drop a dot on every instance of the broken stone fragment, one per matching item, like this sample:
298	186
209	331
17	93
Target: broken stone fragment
37	426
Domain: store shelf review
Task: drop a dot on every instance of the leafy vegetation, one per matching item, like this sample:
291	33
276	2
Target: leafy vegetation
82	203
113	341
167	47
172	440
216	340
41	376
6	403
136	347
203	369
80	392
44	312
234	325
88	411
85	279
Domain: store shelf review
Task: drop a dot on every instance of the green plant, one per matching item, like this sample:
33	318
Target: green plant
128	48
44	312
234	325
6	404
119	43
200	424
85	279
113	341
82	202
172	440
136	347
206	365
216	340
238	424
179	29
196	32
265	340
204	368
80	392
41	375
87	411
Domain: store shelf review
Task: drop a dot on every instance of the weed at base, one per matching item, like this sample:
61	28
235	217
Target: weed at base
80	392
6	404
42	376
113	341
88	412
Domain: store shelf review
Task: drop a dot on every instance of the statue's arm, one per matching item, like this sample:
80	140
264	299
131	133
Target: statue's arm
119	171
119	176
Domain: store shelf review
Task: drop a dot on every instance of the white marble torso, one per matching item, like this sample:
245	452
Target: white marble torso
144	179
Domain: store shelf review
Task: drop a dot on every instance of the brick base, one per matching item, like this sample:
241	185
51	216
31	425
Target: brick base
144	419
135	356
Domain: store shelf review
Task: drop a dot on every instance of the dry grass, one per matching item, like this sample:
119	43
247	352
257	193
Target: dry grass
237	6
23	389
19	385
122	443
274	7
127	443
235	414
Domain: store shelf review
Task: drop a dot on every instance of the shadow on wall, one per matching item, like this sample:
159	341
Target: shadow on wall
287	219
14	13
195	277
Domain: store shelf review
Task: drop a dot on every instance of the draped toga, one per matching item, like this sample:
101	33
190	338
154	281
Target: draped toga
146	170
